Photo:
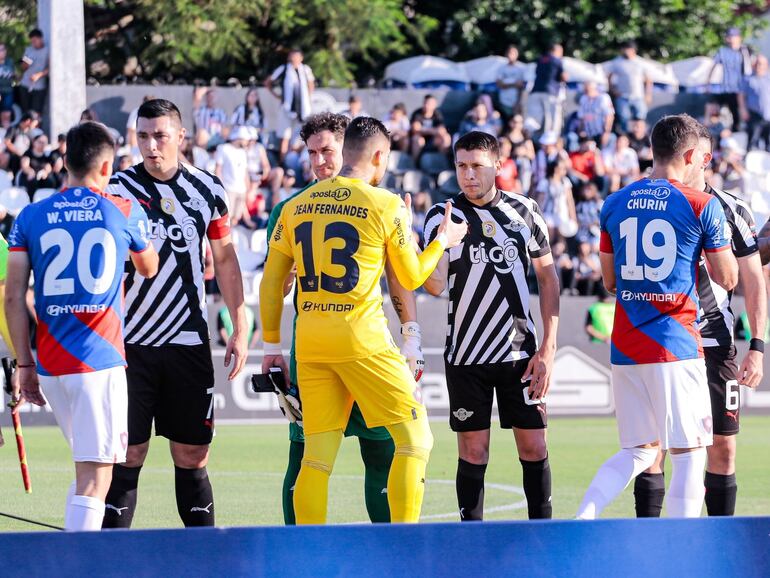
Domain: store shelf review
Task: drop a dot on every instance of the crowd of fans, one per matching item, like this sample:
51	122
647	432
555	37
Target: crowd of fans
567	164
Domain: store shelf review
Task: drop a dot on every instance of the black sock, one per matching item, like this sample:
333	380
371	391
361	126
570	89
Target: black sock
470	490
120	503
649	491
194	497
537	488
721	493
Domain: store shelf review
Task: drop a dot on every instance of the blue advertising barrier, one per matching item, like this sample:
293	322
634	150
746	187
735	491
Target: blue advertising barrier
734	547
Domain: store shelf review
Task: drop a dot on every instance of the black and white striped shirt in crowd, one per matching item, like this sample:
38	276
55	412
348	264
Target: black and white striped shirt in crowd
170	308
489	307
716	317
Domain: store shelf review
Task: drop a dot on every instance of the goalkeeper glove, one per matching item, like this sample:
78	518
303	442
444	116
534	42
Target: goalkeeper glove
288	399
410	348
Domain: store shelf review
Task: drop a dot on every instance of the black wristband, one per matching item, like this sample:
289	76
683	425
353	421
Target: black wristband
757	345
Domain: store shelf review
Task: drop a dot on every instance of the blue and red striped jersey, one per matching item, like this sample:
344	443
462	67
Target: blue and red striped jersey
77	242
657	230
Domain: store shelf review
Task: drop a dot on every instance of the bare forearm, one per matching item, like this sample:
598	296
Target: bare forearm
755	295
18	326
228	275
763	241
548	283
404	302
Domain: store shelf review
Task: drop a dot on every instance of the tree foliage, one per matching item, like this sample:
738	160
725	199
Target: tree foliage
348	40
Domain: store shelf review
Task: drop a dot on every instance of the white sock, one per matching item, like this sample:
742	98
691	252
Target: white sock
612	478
84	513
685	493
70	494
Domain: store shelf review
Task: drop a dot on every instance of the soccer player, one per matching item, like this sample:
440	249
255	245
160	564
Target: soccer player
323	135
491	342
716	329
652	235
170	371
339	232
75	243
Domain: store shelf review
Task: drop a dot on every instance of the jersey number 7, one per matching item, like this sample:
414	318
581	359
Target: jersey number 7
342	257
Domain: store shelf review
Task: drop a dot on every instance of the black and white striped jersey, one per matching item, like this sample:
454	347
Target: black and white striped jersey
716	318
489	307
170	308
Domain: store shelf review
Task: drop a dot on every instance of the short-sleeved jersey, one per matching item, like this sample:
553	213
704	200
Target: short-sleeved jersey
716	317
170	308
77	242
337	231
489	310
656	230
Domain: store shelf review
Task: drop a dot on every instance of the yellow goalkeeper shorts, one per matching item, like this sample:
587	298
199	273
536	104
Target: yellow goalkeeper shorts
381	384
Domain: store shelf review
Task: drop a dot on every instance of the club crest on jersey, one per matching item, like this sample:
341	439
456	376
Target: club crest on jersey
167	206
194	204
488	229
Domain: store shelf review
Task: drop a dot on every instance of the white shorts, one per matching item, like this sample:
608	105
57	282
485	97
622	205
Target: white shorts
666	402
92	412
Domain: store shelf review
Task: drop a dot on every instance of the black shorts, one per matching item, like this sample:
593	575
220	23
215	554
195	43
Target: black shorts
174	385
471	389
722	374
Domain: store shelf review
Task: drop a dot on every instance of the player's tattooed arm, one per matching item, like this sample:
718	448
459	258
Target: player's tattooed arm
763	240
403	301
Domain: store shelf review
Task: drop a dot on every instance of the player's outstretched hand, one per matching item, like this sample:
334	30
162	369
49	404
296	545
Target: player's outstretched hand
750	372
455	232
30	386
238	350
538	373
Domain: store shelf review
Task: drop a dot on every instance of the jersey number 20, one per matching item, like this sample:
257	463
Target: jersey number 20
53	284
664	250
342	257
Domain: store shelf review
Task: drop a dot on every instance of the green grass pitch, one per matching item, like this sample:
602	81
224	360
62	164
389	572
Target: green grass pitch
248	462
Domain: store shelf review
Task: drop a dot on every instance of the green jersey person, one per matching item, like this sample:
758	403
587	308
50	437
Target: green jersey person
600	318
323	135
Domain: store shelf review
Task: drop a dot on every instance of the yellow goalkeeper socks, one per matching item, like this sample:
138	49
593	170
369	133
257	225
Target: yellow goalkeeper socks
406	483
311	492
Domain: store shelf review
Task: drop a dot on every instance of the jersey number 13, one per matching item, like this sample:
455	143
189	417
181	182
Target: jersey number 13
339	256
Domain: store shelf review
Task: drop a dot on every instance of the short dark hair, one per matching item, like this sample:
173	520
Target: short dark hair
87	143
362	130
672	135
705	134
159	107
478	141
35	33
629	44
334	123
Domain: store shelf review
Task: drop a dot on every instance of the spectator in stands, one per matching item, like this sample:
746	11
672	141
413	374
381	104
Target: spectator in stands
518	134
6	123
207	115
545	104
355	107
551	151
261	174
595	114
429	132
397	123
639	140
755	104
587	163
588	206
421	203
511	81
554	196
524	166
730	166
621	164
34	65
125	162
630	86
507	178
249	113
256	207
479	119
712	120
225	327
735	59
297	84
57	159
7	76
232	170
17	140
601	316
36	167
88	115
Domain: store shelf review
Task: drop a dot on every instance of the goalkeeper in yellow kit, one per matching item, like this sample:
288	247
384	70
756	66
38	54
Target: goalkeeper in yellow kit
338	233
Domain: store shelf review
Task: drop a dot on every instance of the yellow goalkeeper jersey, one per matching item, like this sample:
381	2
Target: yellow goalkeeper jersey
338	232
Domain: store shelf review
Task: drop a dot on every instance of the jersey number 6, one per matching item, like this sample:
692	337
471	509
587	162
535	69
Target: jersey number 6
342	257
664	251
